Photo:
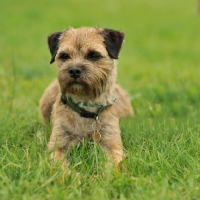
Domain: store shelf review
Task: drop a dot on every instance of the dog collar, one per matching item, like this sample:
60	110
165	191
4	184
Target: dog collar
81	111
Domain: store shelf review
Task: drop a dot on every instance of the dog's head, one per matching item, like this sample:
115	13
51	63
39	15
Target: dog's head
85	58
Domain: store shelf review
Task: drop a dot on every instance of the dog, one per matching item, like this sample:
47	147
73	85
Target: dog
84	102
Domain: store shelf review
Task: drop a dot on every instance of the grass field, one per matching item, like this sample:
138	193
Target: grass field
159	66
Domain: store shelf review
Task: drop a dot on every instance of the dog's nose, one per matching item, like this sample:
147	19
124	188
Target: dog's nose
75	72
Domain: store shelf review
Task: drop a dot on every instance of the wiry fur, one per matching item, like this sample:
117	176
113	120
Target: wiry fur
97	84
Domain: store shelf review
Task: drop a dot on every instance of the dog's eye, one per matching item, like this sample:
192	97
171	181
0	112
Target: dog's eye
93	56
64	56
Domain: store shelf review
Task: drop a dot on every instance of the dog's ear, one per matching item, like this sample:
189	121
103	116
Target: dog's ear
113	41
53	41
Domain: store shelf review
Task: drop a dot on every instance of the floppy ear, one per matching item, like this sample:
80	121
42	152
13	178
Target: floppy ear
113	41
53	41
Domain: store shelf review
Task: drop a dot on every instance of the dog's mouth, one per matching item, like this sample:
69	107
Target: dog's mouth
77	84
78	88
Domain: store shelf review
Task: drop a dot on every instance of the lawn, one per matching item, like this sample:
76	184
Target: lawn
159	66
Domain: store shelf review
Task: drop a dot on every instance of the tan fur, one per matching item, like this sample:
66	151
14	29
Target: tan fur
97	85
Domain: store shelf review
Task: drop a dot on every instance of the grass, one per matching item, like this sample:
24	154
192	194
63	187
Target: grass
159	66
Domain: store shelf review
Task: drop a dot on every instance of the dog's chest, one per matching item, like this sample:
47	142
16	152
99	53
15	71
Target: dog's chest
85	126
79	126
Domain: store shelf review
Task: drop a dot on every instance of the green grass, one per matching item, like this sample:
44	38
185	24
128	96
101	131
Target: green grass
159	67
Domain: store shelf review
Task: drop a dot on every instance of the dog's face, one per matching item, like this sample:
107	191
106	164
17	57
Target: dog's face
85	58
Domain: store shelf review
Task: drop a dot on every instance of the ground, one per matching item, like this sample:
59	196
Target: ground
158	66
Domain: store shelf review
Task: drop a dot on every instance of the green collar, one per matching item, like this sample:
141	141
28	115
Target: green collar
84	113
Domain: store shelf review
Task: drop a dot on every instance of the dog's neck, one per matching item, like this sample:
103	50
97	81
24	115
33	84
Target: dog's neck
102	100
92	111
93	103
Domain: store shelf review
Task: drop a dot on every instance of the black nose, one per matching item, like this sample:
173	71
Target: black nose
75	72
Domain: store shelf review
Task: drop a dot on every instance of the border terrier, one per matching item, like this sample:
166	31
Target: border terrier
85	101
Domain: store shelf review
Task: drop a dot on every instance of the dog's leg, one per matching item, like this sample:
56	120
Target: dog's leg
113	147
60	144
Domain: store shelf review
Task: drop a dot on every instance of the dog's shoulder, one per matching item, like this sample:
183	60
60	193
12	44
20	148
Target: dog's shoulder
122	104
